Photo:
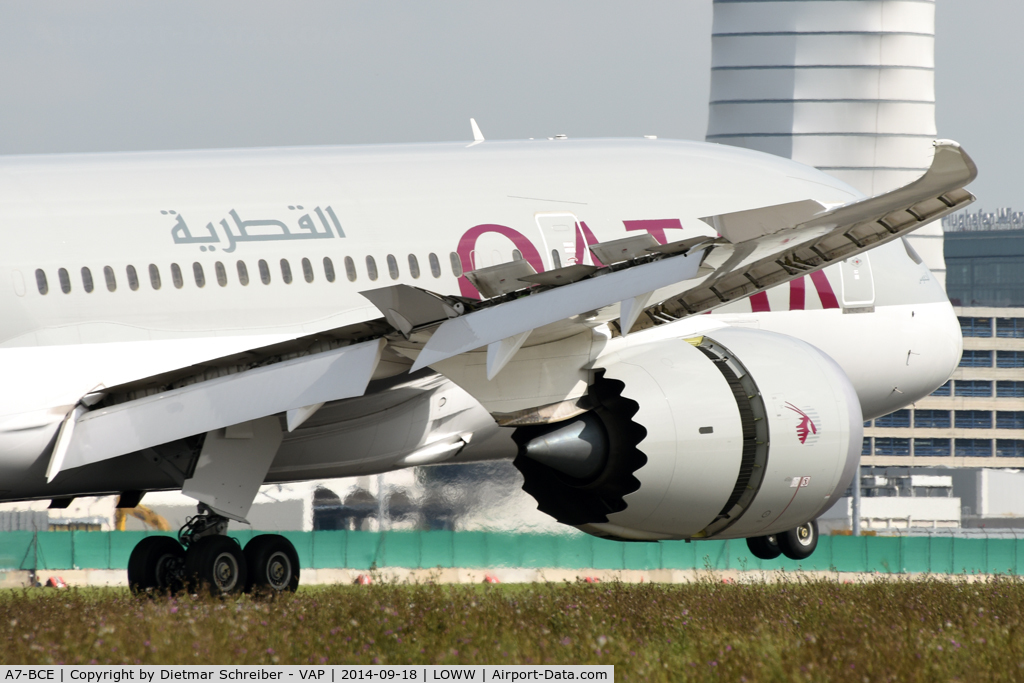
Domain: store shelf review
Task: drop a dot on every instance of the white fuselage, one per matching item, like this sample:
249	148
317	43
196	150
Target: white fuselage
166	237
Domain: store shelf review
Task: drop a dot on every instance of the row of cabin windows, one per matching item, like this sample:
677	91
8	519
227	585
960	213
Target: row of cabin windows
943	419
221	273
970	448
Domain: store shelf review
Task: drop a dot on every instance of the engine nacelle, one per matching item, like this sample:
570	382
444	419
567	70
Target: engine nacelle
739	433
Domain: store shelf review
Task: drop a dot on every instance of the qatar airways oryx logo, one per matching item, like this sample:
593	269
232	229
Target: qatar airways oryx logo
807	424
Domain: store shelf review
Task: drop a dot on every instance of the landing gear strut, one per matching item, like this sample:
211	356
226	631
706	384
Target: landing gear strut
205	557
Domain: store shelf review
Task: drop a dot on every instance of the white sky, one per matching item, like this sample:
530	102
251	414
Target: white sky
129	75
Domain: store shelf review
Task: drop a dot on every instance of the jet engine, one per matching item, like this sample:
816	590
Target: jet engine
741	433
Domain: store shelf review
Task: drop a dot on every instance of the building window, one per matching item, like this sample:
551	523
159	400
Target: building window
1009	389
222	274
976	359
197	272
976	327
176	277
350	269
392	267
371	268
435	265
1010	327
87	279
328	269
865	449
154	276
108	275
307	270
264	272
887	445
974	419
973	448
900	418
414	267
1009	448
934	419
932	447
868	423
133	278
944	390
1010	359
973	387
456	264
65	282
41	281
286	271
243	273
1009	419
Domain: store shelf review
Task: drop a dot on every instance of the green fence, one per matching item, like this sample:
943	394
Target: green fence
55	550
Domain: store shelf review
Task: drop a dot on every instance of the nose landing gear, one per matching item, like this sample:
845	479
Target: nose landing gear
204	557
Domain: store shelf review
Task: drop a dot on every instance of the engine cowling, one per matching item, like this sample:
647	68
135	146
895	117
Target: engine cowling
739	433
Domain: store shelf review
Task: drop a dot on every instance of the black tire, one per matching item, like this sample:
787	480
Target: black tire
764	547
273	564
216	564
799	543
155	565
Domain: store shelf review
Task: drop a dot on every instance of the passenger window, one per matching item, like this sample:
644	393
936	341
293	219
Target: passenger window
243	273
108	275
371	268
435	265
222	275
133	278
517	255
264	272
456	264
286	271
41	281
154	276
176	277
350	269
556	260
307	270
392	267
87	279
414	266
65	280
197	270
328	269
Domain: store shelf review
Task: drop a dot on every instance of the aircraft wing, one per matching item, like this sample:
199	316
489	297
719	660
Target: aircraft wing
756	249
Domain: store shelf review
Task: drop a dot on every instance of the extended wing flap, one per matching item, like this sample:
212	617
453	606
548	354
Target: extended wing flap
240	397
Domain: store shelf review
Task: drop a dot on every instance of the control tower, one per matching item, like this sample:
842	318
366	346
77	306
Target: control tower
847	86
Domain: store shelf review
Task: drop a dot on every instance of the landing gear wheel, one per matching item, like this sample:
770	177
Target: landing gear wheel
764	547
217	564
799	543
273	564
156	565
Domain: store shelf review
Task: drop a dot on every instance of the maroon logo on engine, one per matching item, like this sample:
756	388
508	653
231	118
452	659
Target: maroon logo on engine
806	429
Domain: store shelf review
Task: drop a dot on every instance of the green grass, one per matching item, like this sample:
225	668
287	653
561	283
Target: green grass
925	630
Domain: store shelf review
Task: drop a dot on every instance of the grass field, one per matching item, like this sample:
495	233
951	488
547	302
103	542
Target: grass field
926	630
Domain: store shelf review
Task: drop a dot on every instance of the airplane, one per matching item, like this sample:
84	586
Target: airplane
671	339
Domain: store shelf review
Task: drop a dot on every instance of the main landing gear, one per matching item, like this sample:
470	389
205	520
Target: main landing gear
796	544
204	557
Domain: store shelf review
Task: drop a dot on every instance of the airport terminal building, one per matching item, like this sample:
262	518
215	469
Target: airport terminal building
975	422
